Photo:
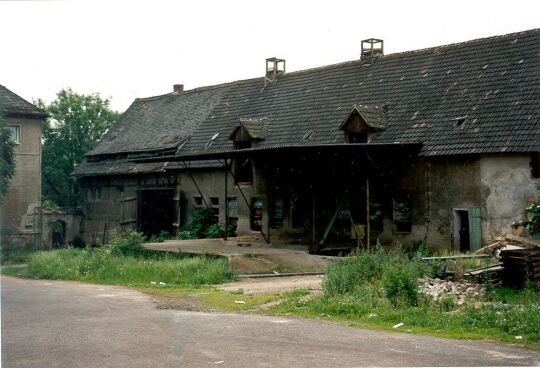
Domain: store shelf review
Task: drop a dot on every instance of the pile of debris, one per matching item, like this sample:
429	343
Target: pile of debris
520	259
459	291
520	266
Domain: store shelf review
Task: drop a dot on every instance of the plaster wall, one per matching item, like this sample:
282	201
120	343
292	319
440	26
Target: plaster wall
507	187
24	192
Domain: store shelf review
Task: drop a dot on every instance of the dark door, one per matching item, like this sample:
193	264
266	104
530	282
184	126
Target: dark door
156	211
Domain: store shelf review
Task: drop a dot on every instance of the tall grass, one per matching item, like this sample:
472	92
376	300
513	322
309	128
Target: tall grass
98	266
381	289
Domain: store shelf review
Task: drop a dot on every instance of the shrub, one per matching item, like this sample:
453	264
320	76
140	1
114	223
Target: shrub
218	231
351	273
127	245
401	284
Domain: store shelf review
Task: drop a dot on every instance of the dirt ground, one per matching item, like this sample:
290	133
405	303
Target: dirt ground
274	284
251	257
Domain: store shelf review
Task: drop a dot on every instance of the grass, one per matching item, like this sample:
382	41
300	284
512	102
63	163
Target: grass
16	256
97	266
376	290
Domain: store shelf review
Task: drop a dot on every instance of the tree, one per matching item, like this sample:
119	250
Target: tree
77	122
7	158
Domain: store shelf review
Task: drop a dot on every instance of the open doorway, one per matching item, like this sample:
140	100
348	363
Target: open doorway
156	211
467	229
58	233
461	230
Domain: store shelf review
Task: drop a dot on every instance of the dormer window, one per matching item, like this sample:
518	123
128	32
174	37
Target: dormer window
361	123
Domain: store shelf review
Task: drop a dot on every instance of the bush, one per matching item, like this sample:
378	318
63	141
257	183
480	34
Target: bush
351	273
401	284
218	231
127	245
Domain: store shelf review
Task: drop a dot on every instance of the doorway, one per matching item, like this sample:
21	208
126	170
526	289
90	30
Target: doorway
467	229
156	211
461	230
58	233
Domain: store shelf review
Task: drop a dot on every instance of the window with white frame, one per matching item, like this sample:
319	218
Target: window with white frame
15	133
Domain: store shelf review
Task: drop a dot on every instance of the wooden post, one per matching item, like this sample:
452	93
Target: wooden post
367	214
313	216
226	201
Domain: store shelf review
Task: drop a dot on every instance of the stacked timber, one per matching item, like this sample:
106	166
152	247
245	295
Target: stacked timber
521	265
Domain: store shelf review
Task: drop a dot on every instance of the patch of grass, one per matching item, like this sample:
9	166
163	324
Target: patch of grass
379	290
99	266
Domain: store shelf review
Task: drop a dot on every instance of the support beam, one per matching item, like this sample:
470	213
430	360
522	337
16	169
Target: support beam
226	172
368	227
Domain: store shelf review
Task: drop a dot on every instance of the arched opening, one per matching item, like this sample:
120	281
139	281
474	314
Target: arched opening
58	233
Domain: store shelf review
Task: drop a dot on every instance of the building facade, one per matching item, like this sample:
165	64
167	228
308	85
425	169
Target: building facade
19	209
438	145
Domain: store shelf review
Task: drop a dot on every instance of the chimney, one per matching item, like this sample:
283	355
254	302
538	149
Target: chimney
372	47
274	67
178	88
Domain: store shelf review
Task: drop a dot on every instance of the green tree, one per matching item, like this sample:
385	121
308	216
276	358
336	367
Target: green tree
532	224
7	158
76	123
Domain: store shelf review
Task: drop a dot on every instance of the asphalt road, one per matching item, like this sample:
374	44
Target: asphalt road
60	324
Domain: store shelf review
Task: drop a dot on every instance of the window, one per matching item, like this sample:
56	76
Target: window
243	170
402	216
535	165
15	133
214	203
277	213
197	201
256	214
357	137
232	211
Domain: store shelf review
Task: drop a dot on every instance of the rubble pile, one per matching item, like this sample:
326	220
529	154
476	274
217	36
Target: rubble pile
459	291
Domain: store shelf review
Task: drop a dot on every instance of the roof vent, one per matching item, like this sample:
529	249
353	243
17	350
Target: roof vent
274	67
178	88
371	47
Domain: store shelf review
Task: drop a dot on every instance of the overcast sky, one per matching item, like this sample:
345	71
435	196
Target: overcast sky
129	49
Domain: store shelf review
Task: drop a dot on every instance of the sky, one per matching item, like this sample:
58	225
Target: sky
128	49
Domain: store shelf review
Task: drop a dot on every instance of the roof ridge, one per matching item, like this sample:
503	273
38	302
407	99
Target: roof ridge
197	89
403	53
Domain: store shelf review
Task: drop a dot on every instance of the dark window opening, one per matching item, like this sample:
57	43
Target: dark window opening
243	170
298	211
197	201
402	216
459	122
357	137
535	165
375	216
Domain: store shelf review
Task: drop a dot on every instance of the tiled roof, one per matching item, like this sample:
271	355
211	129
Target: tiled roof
480	96
13	104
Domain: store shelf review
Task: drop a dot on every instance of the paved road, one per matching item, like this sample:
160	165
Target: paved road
59	324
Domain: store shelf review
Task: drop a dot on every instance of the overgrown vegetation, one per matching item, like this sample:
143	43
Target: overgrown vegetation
203	225
532	224
124	261
381	289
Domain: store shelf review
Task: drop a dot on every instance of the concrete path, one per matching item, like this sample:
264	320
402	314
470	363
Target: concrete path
60	324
